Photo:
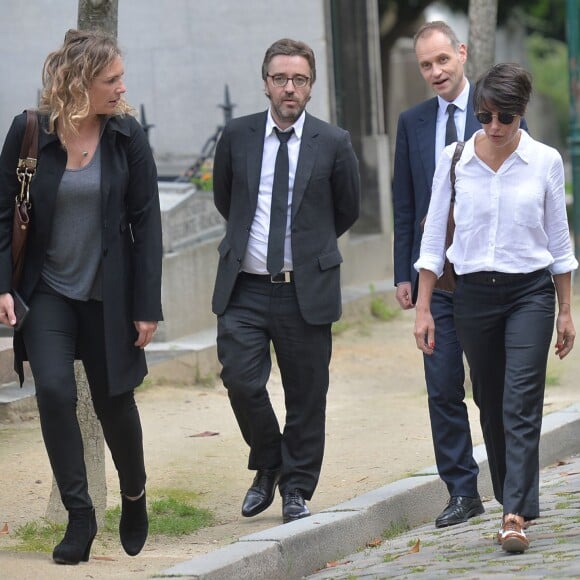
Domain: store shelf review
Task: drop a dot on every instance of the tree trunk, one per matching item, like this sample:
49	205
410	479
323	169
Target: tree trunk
92	15
98	15
481	43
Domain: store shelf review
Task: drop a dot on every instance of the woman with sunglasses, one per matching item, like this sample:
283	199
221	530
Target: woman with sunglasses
512	255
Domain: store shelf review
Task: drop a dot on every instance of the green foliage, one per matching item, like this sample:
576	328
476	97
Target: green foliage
395	529
340	326
548	17
38	536
172	514
203	179
549	67
379	308
381	311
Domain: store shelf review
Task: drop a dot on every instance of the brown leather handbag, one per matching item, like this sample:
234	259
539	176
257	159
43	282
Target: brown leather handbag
25	172
447	280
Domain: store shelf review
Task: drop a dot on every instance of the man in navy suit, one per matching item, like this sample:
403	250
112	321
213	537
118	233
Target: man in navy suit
286	293
421	136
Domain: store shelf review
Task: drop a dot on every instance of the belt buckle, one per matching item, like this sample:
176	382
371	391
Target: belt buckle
285	280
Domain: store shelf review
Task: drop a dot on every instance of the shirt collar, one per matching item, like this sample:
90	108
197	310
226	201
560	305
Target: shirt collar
461	101
298	126
524	146
524	149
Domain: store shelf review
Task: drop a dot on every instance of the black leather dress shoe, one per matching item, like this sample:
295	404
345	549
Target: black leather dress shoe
261	495
293	506
459	510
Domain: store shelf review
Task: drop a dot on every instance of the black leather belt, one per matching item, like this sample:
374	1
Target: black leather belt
498	278
280	278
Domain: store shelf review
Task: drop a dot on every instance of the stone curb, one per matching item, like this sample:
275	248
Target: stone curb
294	550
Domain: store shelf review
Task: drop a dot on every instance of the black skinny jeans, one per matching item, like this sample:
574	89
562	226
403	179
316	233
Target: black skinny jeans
57	329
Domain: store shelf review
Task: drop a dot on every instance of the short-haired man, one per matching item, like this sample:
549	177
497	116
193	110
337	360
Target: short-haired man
278	279
421	136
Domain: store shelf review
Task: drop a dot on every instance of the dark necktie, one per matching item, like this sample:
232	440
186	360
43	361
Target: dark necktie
450	129
279	208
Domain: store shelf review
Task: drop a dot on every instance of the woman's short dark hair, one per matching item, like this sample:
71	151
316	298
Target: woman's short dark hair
505	86
289	47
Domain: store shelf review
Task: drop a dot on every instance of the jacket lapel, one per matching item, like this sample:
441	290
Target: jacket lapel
426	131
471	123
306	160
254	152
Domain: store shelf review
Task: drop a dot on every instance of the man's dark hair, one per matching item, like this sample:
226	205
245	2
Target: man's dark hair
289	47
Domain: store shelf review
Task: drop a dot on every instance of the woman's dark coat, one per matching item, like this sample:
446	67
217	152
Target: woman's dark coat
131	236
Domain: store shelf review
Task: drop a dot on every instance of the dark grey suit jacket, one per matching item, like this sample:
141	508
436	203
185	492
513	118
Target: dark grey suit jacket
325	203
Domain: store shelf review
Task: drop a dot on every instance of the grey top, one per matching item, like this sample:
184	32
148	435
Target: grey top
73	259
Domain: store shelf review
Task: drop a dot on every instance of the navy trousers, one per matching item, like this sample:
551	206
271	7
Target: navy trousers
445	376
505	328
261	314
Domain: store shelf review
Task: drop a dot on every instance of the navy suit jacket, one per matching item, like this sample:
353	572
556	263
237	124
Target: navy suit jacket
412	180
325	204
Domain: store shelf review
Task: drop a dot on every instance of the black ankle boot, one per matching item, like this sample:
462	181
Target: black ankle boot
134	525
78	538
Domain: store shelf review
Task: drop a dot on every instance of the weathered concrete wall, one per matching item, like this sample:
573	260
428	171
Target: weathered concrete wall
179	54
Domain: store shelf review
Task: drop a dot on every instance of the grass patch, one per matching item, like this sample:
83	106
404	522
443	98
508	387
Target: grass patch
552	378
171	513
396	529
340	326
562	505
380	309
38	536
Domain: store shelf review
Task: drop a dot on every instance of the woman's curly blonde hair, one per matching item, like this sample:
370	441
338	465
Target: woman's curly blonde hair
68	73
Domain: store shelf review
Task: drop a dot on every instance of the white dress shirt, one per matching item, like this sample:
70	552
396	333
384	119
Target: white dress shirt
257	250
460	117
513	220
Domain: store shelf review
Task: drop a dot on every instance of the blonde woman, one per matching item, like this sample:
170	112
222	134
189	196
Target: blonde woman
92	275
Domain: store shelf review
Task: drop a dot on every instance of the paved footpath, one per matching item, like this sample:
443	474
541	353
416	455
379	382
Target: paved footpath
470	550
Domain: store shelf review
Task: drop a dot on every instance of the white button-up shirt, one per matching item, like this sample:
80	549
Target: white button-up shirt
257	250
461	102
513	220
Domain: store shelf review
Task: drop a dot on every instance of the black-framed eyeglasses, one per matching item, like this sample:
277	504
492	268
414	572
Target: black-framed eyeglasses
485	117
299	81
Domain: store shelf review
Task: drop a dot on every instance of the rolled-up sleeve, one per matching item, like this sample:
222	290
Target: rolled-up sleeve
556	221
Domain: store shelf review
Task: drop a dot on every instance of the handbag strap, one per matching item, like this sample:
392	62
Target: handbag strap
456	155
29	147
26	167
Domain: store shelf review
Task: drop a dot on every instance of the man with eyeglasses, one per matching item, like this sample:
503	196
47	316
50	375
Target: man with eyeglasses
422	133
288	187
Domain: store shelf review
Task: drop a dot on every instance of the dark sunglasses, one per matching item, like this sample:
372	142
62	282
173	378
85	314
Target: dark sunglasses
485	117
